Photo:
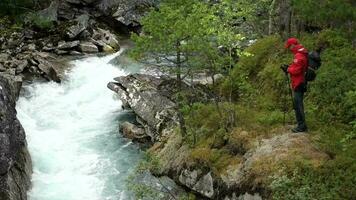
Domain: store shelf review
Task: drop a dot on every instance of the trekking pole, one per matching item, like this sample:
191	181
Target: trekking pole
290	90
285	102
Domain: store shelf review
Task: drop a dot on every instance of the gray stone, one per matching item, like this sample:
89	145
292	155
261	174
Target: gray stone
158	114
106	37
50	13
61	52
48	70
68	45
22	65
131	131
2	68
204	185
81	24
4	57
75	53
88	47
15	161
66	10
31	47
161	188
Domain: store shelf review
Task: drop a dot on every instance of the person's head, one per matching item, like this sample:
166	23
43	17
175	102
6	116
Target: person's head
291	43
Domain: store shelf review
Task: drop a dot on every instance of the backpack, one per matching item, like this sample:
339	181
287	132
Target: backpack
314	63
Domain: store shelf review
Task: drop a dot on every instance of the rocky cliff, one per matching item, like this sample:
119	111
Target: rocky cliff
15	162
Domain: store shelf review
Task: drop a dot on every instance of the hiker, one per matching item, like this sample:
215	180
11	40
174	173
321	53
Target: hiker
297	70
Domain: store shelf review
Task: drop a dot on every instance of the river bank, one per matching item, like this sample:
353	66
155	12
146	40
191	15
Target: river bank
243	164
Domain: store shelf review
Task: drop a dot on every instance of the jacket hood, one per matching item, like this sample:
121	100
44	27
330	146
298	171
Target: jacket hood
299	49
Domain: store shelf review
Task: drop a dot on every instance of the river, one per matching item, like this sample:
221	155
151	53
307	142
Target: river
72	134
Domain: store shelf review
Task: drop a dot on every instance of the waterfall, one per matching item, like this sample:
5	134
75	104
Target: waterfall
72	134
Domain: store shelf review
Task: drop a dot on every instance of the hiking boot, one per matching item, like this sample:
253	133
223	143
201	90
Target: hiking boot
299	130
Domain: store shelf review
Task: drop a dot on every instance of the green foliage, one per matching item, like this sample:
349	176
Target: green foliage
206	120
185	34
40	22
7	27
149	162
335	180
15	8
141	191
331	13
333	90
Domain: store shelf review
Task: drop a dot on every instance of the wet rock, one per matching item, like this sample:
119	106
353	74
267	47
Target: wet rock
133	132
156	112
108	49
75	53
81	23
15	162
68	45
88	47
48	70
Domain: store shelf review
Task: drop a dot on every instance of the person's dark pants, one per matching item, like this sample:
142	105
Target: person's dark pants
299	106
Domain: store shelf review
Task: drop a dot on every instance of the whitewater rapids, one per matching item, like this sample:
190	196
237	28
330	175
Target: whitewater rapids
72	134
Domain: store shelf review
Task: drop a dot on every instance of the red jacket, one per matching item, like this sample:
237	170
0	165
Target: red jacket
299	66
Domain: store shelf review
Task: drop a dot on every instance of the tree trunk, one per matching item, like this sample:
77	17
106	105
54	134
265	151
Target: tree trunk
285	18
179	65
271	19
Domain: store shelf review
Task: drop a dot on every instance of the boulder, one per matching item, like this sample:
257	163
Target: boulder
50	13
133	132
155	112
21	66
2	68
106	37
267	158
4	57
88	47
68	45
15	161
203	184
80	24
108	49
47	70
66	11
127	12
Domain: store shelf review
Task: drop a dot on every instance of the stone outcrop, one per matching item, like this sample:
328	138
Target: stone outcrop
161	188
81	23
133	132
156	112
15	162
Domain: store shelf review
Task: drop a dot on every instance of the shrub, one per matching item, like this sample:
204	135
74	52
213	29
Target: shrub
40	22
335	180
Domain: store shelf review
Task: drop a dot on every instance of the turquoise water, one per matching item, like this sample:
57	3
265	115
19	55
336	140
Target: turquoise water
72	134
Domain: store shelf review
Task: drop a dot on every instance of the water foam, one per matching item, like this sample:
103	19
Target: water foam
72	135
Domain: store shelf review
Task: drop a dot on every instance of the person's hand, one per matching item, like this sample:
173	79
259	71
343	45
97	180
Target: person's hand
284	68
